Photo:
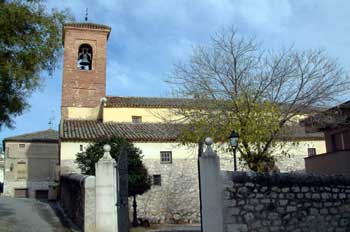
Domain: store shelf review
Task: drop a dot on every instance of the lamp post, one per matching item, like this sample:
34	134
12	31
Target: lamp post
234	144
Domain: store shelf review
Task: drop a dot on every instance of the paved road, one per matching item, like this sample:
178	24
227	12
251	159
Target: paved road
28	215
178	228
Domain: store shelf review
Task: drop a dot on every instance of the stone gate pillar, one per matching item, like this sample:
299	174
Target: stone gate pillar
211	190
106	193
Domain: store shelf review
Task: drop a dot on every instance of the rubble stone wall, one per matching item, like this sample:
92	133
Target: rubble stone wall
286	202
176	200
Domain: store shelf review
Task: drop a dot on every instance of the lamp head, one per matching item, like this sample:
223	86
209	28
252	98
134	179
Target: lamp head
234	139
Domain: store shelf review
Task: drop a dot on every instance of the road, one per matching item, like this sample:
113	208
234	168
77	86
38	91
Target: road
29	215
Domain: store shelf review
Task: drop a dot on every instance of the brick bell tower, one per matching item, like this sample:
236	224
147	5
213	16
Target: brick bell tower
84	69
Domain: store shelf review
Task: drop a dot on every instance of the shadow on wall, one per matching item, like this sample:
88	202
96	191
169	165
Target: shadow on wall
30	169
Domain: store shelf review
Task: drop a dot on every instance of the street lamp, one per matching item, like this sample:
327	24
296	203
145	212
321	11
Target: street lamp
234	144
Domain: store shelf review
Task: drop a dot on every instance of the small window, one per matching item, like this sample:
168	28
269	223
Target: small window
311	151
22	145
136	119
157	180
81	147
166	157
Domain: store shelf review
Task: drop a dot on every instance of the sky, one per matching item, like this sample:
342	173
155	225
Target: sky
149	36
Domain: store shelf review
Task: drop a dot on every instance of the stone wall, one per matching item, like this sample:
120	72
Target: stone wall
78	200
177	199
286	202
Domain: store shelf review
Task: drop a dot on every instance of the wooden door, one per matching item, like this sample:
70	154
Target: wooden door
21	192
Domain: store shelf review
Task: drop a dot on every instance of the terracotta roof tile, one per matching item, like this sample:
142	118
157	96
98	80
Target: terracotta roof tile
40	136
92	130
148	102
144	132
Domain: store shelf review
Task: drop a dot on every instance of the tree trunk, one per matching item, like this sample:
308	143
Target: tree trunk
134	221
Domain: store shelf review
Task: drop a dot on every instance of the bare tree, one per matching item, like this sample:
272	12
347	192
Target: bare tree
239	86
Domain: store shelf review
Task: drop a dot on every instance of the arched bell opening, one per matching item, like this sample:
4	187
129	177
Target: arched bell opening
84	61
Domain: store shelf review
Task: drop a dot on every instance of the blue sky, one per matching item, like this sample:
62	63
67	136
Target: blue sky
148	36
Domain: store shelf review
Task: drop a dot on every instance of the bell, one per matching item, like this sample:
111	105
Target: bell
84	60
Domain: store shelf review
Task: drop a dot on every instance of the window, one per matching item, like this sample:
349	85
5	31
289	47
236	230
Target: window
136	119
21	145
84	61
166	157
311	151
21	170
157	180
81	147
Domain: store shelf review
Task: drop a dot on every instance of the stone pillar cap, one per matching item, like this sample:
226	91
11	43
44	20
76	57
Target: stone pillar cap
107	148
208	141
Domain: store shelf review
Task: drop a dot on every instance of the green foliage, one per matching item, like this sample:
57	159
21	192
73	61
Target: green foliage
30	42
255	122
238	85
138	178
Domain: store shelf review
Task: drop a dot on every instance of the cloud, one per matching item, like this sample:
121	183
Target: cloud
149	36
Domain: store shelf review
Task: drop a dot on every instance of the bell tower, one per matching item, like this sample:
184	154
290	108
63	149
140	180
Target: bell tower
84	69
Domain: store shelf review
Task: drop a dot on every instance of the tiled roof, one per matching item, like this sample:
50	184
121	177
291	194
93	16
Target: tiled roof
144	132
93	26
40	136
148	102
159	102
330	118
88	25
91	130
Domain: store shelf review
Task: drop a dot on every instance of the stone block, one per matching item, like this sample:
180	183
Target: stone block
314	211
250	185
282	202
324	211
290	209
233	211
326	195
259	207
236	228
248	217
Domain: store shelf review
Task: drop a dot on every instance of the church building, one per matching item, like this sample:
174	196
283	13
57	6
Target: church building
87	114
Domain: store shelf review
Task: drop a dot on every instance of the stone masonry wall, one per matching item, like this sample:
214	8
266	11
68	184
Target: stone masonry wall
286	202
177	199
78	200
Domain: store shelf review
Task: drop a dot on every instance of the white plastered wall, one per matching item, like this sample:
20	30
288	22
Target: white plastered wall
148	114
151	151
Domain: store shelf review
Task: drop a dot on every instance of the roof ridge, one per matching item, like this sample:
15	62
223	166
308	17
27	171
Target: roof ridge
156	97
48	135
113	122
31	133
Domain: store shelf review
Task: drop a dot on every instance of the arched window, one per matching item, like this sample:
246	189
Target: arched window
84	61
